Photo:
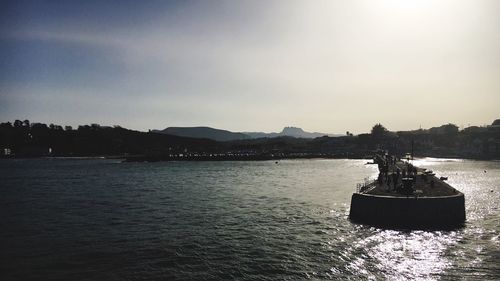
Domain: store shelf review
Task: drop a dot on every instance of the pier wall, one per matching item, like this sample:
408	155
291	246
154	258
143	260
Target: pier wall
413	212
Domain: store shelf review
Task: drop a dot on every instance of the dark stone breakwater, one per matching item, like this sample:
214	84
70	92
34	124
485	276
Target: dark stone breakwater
416	200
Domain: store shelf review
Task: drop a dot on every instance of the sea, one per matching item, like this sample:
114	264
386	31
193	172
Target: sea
101	219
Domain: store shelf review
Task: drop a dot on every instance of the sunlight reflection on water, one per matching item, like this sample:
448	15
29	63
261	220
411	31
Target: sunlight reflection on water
431	255
416	255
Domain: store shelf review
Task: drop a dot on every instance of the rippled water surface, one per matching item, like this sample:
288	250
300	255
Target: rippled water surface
96	219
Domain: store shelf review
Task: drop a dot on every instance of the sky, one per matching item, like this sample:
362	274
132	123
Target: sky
325	66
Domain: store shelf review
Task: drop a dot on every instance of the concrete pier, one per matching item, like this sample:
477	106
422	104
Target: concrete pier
419	201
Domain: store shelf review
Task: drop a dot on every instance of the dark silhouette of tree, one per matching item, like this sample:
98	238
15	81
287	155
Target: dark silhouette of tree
448	129
83	127
39	127
379	130
18	123
6	125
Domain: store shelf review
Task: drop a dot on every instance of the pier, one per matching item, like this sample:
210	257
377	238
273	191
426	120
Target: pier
422	183
405	196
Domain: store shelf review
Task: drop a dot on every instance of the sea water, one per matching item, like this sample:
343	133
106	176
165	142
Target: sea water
98	219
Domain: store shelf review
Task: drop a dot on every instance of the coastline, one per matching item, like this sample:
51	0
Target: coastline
237	157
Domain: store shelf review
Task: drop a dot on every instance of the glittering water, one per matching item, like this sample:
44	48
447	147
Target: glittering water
98	219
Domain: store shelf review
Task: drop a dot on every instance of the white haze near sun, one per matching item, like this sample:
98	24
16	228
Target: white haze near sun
328	66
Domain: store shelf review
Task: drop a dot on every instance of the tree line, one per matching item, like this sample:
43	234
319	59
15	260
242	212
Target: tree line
25	139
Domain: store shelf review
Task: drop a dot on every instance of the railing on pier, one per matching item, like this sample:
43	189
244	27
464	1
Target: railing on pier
361	187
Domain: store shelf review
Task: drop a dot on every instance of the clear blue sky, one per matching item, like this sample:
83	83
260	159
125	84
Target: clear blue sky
327	66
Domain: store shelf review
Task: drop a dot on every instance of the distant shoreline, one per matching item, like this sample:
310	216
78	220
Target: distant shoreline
222	157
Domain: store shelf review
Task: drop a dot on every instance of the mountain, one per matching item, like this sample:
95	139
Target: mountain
203	133
224	135
289	132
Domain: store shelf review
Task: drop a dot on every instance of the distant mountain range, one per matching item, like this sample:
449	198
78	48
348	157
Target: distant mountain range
289	132
203	133
224	135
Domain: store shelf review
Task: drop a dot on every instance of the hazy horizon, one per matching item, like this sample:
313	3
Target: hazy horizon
323	66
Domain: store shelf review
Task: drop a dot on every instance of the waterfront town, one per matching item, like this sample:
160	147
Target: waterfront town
26	139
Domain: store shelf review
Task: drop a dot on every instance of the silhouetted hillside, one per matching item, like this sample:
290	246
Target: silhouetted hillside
289	132
30	140
203	133
224	135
